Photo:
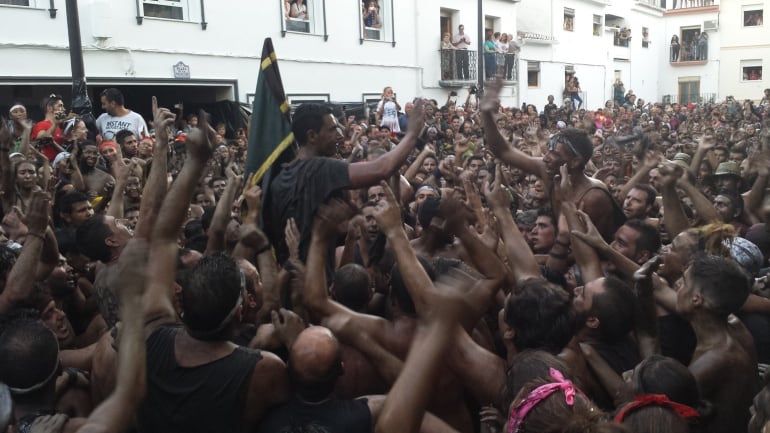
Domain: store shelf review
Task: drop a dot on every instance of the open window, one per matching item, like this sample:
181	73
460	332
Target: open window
191	11
753	16
645	37
597	25
569	19
376	18
303	16
751	70
533	74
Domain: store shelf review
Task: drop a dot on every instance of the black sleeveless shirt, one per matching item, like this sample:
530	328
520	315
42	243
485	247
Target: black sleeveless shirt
206	398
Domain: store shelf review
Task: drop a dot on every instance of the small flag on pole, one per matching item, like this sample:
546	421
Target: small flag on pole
270	136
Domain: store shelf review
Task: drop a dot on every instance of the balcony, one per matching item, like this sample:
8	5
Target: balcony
688	55
686	98
460	68
674	7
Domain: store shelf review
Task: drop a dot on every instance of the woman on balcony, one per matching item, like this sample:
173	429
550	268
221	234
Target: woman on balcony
501	48
446	57
573	89
490	63
675	48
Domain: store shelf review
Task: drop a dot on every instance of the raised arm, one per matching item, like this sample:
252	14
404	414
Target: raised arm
520	257
706	211
756	195
367	173
116	413
674	217
76	177
158	306
157	184
651	161
489	107
585	255
222	216
19	285
117	202
411	172
705	143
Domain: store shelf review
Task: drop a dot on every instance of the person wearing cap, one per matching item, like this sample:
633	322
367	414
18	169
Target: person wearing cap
728	176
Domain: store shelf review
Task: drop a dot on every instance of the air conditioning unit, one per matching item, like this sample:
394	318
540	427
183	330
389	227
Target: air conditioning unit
710	25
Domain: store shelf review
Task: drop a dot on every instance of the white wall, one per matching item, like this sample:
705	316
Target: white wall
743	43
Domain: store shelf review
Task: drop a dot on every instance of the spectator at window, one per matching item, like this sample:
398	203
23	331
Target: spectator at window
510	58
371	15
299	10
501	48
675	48
461	42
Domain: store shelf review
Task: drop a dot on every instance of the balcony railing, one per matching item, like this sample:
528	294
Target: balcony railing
458	67
684	4
688	53
686	98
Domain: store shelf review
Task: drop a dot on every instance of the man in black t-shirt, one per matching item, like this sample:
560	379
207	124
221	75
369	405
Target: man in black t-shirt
315	176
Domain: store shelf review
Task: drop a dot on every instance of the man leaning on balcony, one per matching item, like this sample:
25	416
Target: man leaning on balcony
461	42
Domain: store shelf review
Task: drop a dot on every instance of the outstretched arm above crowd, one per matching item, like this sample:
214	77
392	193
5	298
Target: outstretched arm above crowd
406	402
489	107
157	182
222	217
585	255
18	284
674	217
520	257
158	306
367	173
706	211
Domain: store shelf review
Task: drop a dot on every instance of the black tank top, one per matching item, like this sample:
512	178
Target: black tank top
206	398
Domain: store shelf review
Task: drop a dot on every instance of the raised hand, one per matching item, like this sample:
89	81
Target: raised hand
388	213
38	213
670	173
455	213
497	195
287	324
292	238
332	216
201	140
417	118
253	198
707	142
643	275
490	102
131	270
163	119
591	236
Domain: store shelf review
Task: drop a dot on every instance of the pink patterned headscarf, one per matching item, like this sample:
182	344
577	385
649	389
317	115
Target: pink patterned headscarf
539	394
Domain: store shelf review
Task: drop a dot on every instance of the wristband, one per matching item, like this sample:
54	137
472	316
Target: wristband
262	249
562	244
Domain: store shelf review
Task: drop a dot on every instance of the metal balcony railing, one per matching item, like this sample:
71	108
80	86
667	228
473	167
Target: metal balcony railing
686	4
459	66
688	52
686	98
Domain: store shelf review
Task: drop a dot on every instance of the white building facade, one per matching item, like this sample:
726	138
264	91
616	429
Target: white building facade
206	50
744	50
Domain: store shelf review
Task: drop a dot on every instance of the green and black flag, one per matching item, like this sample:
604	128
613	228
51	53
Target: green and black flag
270	137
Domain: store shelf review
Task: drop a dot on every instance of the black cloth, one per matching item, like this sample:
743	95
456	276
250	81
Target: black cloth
206	398
620	356
333	415
677	338
297	191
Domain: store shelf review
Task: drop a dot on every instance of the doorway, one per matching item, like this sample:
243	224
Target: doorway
689	90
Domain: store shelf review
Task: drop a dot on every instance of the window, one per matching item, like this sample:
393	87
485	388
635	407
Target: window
751	70
533	74
752	16
569	19
169	9
376	20
15	2
645	37
597	25
303	16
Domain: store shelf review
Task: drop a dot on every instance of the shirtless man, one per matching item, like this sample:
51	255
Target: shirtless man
95	179
571	147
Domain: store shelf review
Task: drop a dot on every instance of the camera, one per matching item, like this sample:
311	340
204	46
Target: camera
474	89
452	93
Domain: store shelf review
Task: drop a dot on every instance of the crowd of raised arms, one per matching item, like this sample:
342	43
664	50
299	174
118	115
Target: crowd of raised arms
437	268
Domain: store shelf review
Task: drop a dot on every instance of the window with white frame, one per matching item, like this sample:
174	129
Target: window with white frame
533	74
753	16
168	9
303	16
376	20
751	70
597	25
30	3
569	19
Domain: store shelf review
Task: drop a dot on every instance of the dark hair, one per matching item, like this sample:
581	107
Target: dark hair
7	259
113	95
214	179
581	142
652	193
90	237
649	236
658	374
308	117
398	287
427	210
474	158
529	365
121	135
547	212
655	419
614	308
67	200
50	100
735	199
541	315
29	352
351	286
723	283
211	293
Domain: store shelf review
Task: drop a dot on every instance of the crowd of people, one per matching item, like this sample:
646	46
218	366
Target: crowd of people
437	268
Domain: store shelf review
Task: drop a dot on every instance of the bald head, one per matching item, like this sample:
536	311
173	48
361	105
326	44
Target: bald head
314	363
